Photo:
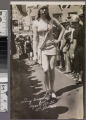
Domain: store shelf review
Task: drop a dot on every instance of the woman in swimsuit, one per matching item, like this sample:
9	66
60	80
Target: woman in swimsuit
45	46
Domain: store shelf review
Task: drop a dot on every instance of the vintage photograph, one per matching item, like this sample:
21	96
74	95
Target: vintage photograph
3	60
47	60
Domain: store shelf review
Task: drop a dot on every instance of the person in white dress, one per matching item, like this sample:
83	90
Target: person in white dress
45	46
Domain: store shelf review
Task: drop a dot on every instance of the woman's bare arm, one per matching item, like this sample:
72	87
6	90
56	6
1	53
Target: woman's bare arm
62	30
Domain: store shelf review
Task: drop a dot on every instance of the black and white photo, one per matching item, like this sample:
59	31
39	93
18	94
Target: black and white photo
47	60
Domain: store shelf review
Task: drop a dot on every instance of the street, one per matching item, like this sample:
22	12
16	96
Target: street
27	89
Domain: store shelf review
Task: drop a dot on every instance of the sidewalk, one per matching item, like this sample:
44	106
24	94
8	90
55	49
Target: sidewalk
27	85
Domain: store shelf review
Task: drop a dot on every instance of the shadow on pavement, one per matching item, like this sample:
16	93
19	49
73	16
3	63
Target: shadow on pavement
52	113
66	89
26	90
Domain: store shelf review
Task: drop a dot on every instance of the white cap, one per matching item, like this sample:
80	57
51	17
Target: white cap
75	18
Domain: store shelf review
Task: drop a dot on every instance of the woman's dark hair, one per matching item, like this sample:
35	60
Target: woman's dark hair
48	16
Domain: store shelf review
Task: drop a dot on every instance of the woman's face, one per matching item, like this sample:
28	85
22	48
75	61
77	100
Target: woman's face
43	12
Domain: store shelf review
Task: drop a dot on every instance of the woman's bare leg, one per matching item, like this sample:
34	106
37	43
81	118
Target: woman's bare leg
45	65
28	55
52	71
46	81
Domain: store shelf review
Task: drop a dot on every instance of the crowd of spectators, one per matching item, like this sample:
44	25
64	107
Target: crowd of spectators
71	49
